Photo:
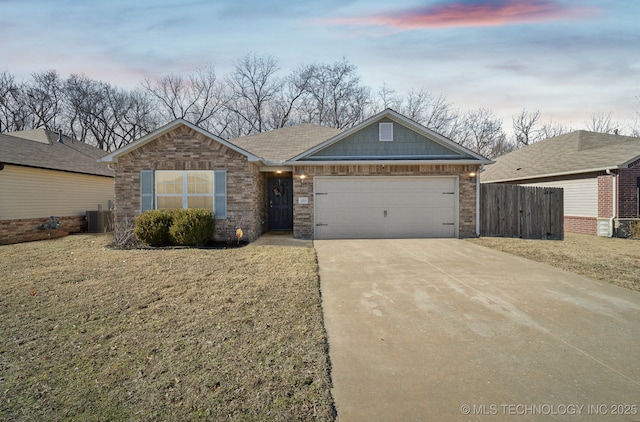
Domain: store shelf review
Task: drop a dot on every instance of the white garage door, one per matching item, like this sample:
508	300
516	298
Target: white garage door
385	207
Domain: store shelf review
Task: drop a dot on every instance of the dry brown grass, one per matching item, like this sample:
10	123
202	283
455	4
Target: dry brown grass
612	260
92	333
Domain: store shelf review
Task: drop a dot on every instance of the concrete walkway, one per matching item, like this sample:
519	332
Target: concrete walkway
281	239
424	330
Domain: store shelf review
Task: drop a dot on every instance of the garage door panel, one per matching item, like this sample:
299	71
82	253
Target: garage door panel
442	215
380	231
353	216
385	207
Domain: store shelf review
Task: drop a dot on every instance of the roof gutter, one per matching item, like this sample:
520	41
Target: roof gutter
543	176
385	162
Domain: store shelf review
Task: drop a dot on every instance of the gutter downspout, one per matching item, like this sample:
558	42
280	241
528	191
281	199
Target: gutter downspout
478	199
614	196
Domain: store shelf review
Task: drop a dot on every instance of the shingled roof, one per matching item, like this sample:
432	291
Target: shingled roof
40	148
571	153
283	144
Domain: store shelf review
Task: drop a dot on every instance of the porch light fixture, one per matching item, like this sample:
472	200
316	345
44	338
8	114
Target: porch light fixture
302	176
472	174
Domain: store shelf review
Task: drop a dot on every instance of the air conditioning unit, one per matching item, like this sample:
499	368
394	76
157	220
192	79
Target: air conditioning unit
99	221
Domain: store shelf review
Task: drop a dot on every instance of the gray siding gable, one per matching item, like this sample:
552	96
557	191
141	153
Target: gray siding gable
365	144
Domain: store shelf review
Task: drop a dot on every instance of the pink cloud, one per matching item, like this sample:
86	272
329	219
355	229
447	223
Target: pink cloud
462	13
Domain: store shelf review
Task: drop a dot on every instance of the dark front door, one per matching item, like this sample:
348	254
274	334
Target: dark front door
280	204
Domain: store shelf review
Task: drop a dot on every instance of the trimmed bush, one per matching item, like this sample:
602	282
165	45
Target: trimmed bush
152	227
192	227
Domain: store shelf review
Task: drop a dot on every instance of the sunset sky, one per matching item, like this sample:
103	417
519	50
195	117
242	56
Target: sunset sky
567	58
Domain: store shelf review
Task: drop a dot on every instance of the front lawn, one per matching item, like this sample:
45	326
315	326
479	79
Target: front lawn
612	260
91	333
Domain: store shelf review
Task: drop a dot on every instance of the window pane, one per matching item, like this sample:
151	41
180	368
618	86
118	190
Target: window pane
169	182
170	202
200	202
200	182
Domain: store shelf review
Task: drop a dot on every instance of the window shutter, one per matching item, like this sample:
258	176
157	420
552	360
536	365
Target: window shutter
146	190
220	189
386	132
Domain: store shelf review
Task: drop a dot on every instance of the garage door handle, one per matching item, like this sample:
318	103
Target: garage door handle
385	214
448	193
448	224
321	224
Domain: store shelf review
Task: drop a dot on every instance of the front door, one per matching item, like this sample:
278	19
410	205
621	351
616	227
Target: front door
280	204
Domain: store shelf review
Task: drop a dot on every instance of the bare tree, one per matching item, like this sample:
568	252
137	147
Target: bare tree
525	127
198	98
105	116
43	98
254	86
284	107
635	128
601	122
551	129
440	116
387	98
482	132
14	114
335	97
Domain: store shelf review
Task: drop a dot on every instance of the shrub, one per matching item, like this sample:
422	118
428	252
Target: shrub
152	227
192	227
634	230
123	233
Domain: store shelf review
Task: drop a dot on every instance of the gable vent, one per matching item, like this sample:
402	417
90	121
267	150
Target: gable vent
386	132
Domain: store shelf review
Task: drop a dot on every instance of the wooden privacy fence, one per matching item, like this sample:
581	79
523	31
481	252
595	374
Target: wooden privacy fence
521	211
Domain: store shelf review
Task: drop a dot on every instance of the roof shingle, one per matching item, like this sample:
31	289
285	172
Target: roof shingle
40	148
283	144
572	153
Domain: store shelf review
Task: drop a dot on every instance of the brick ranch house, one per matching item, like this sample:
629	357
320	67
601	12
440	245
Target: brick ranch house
386	177
45	174
600	175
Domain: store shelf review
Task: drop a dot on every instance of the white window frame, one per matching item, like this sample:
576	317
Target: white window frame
185	187
219	196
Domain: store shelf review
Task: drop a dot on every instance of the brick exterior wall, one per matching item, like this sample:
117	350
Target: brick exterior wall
605	196
584	225
303	215
186	149
628	188
26	230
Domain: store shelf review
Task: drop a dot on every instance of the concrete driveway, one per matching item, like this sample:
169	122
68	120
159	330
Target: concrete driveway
448	330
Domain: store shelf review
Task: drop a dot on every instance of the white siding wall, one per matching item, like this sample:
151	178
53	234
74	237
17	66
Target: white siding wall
32	193
580	195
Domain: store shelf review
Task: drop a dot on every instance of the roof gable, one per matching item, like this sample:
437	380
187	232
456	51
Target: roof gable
572	153
411	142
113	157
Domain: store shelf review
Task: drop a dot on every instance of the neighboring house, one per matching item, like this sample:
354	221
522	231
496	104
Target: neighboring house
386	177
600	175
43	175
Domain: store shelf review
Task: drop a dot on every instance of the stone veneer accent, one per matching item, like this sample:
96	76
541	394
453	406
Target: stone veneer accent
26	230
303	215
186	149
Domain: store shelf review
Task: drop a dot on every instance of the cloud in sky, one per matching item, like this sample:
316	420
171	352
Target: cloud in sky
472	13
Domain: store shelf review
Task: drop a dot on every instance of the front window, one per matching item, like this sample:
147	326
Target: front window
185	189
